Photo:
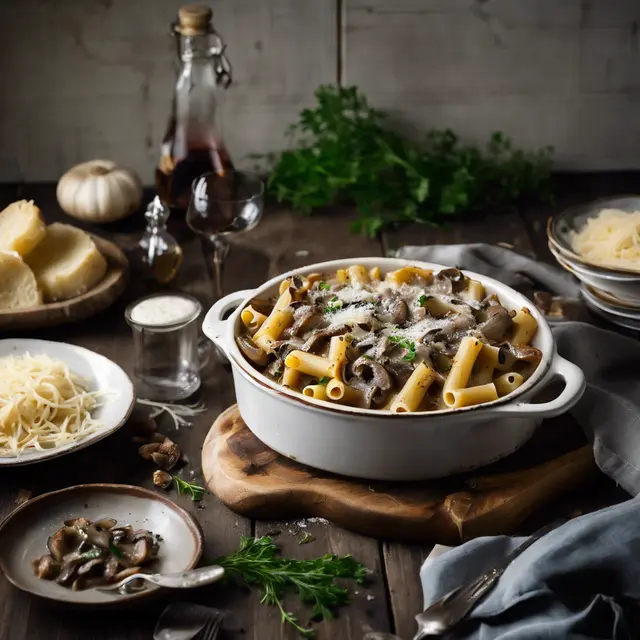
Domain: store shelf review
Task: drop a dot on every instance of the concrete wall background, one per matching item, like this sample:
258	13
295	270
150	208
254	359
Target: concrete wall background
93	78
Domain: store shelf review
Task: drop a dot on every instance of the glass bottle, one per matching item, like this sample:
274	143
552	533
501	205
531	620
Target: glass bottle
158	254
192	144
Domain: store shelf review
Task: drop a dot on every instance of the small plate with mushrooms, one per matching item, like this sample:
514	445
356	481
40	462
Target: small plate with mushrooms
65	544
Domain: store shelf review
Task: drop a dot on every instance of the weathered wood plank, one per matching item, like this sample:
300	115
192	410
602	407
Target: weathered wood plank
367	610
109	80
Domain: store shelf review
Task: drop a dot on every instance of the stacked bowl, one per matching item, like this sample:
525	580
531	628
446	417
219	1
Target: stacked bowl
611	292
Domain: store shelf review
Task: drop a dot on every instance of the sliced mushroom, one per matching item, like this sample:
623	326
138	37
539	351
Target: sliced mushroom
252	351
69	568
142	551
523	352
166	455
146	450
316	337
373	373
393	310
121	534
88	566
111	566
125	573
46	568
450	281
78	523
98	536
543	300
302	316
498	322
64	541
106	523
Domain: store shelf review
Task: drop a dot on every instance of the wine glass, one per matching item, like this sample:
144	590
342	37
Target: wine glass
221	205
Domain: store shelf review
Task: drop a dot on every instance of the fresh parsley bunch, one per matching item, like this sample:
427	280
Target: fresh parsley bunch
343	151
257	563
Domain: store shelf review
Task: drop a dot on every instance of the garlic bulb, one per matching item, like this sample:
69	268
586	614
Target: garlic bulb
99	191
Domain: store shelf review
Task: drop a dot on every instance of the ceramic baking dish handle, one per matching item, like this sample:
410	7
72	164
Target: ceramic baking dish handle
215	322
575	385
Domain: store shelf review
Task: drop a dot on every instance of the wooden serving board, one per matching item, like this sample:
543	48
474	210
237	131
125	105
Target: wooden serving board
104	294
252	479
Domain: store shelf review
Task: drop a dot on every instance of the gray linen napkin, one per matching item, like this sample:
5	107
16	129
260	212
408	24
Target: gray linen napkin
538	596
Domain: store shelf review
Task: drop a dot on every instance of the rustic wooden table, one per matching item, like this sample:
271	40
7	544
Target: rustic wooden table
281	242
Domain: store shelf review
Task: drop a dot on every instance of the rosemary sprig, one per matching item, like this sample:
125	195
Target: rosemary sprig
189	488
256	562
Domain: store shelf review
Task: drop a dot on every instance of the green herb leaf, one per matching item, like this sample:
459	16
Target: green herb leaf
343	150
256	563
422	300
195	491
323	286
114	550
407	345
324	380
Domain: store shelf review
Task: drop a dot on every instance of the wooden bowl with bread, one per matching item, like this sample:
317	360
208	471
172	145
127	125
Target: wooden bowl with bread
53	274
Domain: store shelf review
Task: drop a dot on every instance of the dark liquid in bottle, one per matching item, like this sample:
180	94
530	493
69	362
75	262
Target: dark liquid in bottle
178	169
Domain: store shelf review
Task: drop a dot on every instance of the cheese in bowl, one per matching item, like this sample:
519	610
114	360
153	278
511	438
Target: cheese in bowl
610	239
406	341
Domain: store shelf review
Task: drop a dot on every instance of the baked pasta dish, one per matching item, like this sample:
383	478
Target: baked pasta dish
405	341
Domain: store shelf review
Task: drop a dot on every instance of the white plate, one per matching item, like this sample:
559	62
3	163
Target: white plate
100	373
627	323
604	306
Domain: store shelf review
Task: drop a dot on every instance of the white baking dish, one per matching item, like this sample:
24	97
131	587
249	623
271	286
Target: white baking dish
382	445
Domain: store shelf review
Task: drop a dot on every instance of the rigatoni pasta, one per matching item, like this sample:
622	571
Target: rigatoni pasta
405	341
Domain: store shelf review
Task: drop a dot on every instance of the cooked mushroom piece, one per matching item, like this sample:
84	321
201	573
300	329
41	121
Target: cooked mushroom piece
498	322
302	316
125	573
89	565
450	281
317	336
46	568
111	566
78	523
252	351
98	536
106	523
162	479
393	310
69	567
64	541
373	373
146	450
166	456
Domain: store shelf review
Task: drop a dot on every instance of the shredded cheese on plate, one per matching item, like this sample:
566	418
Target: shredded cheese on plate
42	405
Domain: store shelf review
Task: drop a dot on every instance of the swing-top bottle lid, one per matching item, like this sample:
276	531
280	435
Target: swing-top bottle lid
194	20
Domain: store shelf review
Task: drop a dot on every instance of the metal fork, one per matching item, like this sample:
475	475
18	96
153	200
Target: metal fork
211	629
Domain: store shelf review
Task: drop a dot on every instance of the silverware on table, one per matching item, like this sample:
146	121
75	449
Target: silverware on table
184	580
188	621
453	607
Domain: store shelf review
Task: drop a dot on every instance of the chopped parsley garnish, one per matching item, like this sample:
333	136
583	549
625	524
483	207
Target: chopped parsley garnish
407	345
422	300
324	380
323	286
335	305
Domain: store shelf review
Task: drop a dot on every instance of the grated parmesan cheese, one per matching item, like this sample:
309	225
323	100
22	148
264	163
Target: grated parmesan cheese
612	239
42	405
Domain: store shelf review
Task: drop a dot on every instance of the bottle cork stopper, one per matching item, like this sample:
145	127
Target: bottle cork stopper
195	20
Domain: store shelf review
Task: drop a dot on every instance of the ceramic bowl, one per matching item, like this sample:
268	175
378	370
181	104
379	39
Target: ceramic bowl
622	286
380	444
101	374
24	533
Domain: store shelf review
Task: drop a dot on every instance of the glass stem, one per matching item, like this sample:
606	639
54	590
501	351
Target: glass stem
220	251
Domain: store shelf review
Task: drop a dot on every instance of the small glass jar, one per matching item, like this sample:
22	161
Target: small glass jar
167	359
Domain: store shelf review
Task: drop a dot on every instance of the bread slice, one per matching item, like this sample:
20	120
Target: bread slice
66	263
21	227
18	286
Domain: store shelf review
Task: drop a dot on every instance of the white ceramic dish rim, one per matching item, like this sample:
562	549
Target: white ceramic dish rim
600	203
223	333
605	307
122	411
581	268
